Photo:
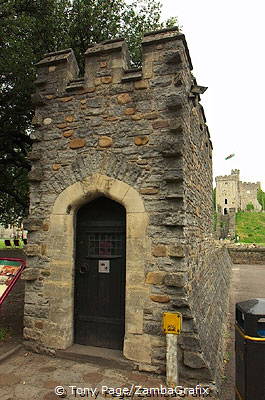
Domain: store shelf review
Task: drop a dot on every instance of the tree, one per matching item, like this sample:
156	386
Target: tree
261	198
250	207
98	20
31	28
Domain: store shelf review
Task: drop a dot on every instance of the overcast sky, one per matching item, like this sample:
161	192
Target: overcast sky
226	43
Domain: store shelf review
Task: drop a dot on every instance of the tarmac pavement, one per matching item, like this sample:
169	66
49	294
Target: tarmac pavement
248	282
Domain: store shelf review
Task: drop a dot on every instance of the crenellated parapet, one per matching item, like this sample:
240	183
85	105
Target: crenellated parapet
231	177
106	62
250	185
164	52
55	71
162	96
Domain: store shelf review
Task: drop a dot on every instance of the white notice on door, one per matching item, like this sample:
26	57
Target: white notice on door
104	266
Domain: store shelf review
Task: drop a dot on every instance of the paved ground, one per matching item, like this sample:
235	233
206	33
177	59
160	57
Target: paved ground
31	376
248	283
28	376
34	377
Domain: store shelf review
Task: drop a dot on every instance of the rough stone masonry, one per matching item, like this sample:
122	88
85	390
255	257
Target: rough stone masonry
139	137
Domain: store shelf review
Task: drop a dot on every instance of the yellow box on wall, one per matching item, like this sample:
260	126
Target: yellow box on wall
172	323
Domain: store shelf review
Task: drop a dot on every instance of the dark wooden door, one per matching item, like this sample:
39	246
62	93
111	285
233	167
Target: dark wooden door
100	274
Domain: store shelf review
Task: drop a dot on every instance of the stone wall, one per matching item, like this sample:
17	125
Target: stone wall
247	254
248	194
226	225
209	280
139	137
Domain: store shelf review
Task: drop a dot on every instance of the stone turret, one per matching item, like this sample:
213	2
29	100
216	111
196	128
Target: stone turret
138	137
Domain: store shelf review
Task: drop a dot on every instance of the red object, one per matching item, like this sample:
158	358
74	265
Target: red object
10	271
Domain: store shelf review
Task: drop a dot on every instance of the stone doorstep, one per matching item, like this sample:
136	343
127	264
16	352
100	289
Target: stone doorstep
108	358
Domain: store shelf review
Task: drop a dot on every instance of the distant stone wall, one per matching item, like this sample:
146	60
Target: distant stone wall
247	255
248	194
139	137
226	225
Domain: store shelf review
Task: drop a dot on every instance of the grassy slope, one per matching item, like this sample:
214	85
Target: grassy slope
3	246
250	226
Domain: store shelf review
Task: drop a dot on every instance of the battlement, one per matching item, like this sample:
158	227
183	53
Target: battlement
250	185
164	52
233	177
226	178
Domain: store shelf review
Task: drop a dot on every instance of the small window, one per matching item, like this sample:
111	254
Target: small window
225	211
225	201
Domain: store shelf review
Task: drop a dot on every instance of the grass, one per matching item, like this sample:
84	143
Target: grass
3	245
250	227
3	334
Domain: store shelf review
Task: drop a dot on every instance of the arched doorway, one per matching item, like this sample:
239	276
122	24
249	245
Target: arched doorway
100	274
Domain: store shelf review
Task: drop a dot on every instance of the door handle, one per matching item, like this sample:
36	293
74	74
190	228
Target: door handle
83	269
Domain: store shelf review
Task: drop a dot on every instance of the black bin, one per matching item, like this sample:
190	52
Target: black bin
250	350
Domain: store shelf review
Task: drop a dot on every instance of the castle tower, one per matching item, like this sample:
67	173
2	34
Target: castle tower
232	195
121	208
227	192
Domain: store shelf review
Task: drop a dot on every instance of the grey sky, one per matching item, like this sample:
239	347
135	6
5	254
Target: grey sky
226	43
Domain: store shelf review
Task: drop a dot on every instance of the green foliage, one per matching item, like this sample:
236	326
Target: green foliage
95	21
28	30
12	244
214	220
214	213
250	227
261	198
3	333
250	207
214	199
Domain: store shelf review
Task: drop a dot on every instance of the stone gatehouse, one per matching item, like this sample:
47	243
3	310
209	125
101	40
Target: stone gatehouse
121	209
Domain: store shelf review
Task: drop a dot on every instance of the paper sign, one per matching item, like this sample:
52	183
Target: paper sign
10	271
104	266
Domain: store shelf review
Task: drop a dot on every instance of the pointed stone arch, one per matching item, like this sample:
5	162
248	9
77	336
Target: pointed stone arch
59	286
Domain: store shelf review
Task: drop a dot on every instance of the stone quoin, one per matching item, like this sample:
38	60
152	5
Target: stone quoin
138	137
